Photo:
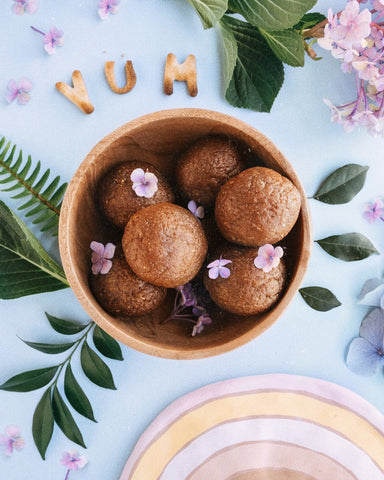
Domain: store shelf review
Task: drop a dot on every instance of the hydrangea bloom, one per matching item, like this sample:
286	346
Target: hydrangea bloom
73	461
19	91
101	256
11	440
24	6
198	211
108	6
373	211
52	39
144	183
268	257
217	269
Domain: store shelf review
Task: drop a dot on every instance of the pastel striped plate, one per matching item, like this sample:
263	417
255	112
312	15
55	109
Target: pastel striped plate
267	427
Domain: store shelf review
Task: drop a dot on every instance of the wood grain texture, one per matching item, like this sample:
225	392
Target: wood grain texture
159	138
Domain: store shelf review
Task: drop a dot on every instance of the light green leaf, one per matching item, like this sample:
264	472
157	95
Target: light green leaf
209	11
76	395
287	45
65	327
31	380
349	247
258	75
106	345
95	368
272	14
64	419
42	423
25	267
230	52
319	298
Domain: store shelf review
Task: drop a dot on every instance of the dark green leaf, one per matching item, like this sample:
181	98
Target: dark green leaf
342	184
50	348
258	74
348	247
65	327
106	344
76	395
270	14
287	45
42	424
309	20
209	11
95	368
64	419
25	267
319	298
31	380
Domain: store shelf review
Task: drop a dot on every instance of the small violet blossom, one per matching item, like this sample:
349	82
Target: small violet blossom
52	39
101	256
144	183
268	257
106	7
198	211
73	461
372	293
24	6
19	91
373	211
11	440
203	320
217	268
366	353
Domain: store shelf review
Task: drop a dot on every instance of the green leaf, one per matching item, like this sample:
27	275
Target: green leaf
258	74
25	267
50	348
342	184
64	419
17	176
270	14
106	345
76	395
319	298
42	424
209	11
348	247
309	20
287	45
95	368
230	52
65	327
30	380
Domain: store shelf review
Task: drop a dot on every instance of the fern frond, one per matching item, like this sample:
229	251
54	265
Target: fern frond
45	195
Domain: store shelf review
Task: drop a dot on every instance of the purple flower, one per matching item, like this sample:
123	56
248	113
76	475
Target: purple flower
198	211
373	211
19	91
73	461
188	297
217	268
204	319
144	183
52	39
101	256
372	293
268	257
11	440
366	353
106	7
24	6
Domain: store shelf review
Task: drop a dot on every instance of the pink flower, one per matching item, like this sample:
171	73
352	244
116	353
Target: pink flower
106	7
198	211
144	183
373	211
268	257
217	268
101	256
204	319
24	6
354	26
73	461
53	39
11	440
19	91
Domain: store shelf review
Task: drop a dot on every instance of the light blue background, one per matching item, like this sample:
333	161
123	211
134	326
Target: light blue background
54	131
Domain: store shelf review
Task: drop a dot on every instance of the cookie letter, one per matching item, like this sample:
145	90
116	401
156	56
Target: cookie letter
130	75
76	94
185	72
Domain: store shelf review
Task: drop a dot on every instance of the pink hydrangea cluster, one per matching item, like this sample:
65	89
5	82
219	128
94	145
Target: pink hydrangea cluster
355	37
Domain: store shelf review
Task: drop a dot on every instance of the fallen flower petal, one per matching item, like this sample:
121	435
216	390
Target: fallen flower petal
73	461
19	91
106	7
11	440
101	256
24	6
268	257
144	183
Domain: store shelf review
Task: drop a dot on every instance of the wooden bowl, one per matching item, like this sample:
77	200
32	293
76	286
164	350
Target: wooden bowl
159	138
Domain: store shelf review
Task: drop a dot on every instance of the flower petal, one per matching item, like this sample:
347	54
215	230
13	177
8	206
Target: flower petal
97	247
23	98
372	292
97	266
25	84
31	6
137	176
372	328
213	273
363	358
224	262
192	206
224	272
109	250
19	443
215	263
18	9
12	86
12	431
200	212
150	189
106	266
140	189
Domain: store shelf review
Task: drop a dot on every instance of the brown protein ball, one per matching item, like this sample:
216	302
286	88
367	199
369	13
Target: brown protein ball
121	292
248	290
164	244
206	166
256	207
117	199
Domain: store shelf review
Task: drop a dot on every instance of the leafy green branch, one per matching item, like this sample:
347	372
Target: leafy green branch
52	407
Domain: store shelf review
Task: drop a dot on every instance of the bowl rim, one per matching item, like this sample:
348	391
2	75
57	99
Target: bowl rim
144	345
